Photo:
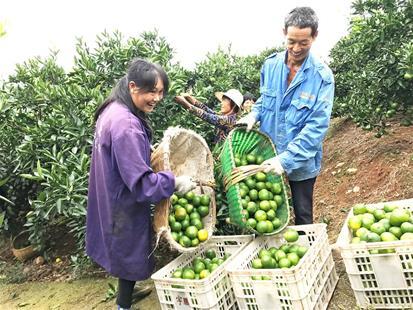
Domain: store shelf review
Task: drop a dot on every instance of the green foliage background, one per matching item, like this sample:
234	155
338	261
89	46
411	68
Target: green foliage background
373	65
46	113
46	117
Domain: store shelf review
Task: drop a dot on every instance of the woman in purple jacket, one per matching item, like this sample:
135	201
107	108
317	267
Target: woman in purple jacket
122	184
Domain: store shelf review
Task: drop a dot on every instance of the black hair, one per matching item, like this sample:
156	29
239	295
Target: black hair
249	96
302	17
145	75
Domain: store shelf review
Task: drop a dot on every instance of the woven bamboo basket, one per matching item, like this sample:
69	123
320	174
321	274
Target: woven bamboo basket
184	152
24	253
241	142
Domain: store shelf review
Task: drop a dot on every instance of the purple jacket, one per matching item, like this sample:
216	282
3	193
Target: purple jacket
122	186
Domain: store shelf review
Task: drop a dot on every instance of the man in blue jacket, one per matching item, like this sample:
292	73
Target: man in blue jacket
294	109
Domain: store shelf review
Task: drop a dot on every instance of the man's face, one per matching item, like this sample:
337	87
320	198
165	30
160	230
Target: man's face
299	42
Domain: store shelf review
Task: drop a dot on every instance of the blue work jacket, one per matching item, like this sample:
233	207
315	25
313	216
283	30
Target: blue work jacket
296	116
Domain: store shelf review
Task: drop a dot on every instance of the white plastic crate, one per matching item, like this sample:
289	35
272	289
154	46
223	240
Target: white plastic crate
308	285
213	292
381	281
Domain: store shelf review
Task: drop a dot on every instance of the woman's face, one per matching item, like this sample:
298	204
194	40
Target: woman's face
248	105
226	105
146	101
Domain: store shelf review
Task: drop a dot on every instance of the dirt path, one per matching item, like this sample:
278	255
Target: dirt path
82	294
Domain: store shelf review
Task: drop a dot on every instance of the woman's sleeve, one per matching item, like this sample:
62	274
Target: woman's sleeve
220	121
129	153
204	107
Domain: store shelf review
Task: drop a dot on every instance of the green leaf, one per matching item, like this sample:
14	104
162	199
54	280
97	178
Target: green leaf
39	169
30	177
2	214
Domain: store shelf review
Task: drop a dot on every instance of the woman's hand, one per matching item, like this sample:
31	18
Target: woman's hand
184	184
191	99
182	101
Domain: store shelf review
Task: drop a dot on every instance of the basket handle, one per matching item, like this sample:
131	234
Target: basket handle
241	173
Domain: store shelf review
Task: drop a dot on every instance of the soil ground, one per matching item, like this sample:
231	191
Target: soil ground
357	167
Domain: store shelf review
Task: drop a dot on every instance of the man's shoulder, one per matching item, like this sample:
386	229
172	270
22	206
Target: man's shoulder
274	58
323	70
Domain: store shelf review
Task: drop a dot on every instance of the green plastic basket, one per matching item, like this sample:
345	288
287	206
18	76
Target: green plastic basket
241	142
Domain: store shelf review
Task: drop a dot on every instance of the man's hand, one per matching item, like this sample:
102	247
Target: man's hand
249	120
273	165
184	184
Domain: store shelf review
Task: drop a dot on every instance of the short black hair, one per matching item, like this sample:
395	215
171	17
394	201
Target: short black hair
302	17
249	96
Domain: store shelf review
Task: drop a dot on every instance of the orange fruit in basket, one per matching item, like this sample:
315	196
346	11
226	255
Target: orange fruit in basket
397	231
183	202
276	223
251	222
291	235
386	223
271	215
203	210
210	253
276	188
205	200
264	252
213	266
204	274
260	186
407	236
176	226
379	214
251	159
266	261
256	263
261	177
301	250
388	236
198	267
293	258
188	273
367	220
253	194
259	160
202	235
196	201
377	228
260	215
262	226
197	223
389	208
279	200
265	205
185	241
284	263
359	208
279	254
407	227
191	232
189	196
250	182
174	199
177	273
180	214
398	216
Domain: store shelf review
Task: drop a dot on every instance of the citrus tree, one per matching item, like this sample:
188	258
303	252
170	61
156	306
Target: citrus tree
46	124
373	65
